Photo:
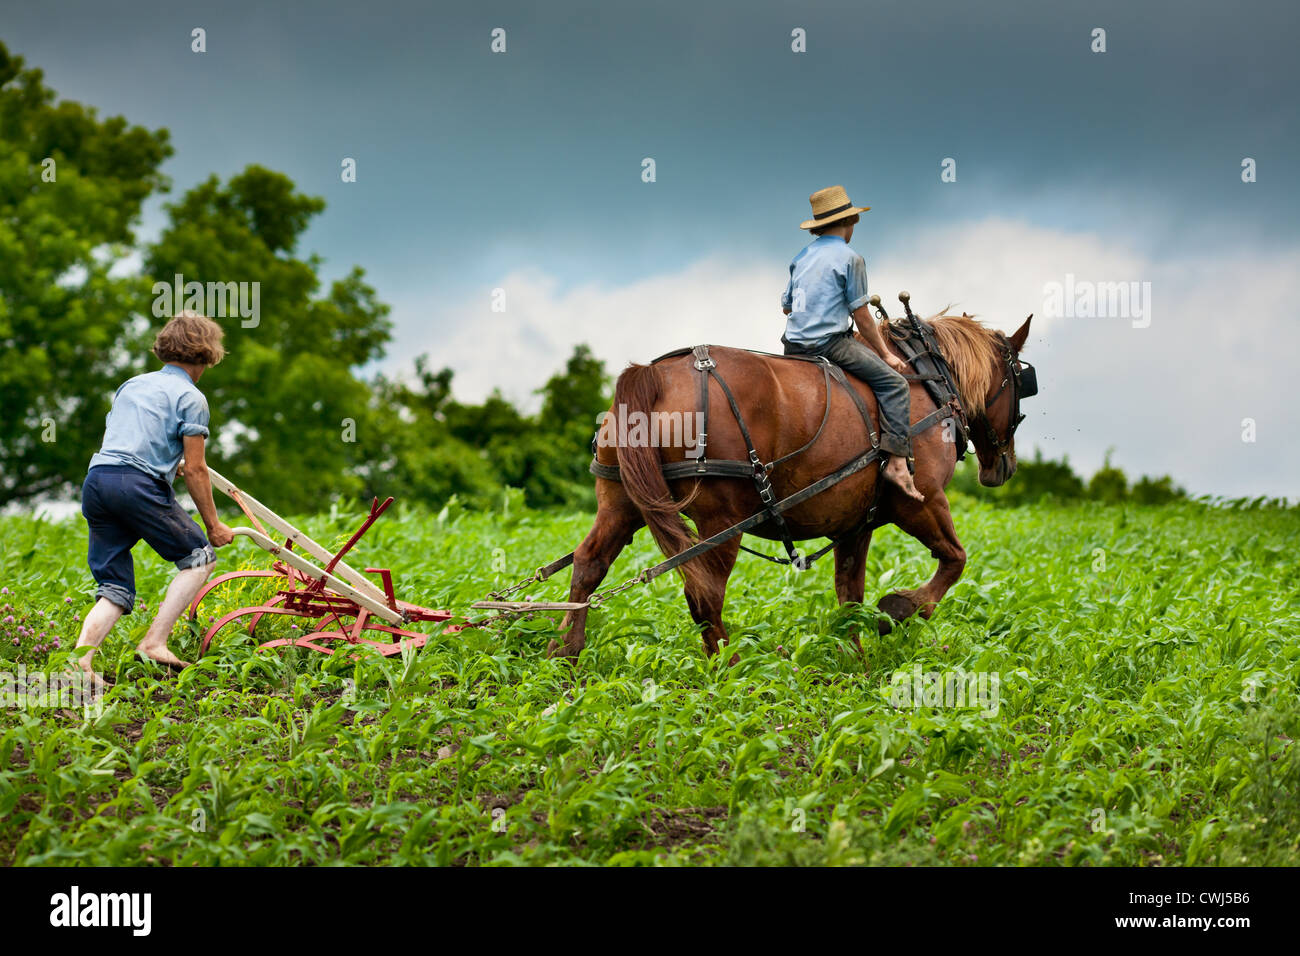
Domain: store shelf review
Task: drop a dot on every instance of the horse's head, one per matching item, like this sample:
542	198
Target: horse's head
993	431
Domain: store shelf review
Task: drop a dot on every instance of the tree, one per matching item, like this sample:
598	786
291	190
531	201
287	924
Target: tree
577	395
1156	491
1109	484
71	189
290	418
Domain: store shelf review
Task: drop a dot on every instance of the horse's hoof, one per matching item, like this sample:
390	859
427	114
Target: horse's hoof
897	607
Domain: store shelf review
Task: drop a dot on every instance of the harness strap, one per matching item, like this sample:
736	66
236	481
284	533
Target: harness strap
785	504
826	416
704	364
762	483
843	380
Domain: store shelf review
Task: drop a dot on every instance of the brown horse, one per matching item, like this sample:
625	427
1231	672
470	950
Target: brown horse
783	402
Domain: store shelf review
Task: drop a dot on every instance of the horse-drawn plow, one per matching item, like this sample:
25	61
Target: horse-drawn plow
347	604
343	603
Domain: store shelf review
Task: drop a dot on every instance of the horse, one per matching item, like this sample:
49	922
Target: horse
784	401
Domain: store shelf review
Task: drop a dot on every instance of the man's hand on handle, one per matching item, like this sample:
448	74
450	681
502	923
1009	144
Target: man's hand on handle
220	535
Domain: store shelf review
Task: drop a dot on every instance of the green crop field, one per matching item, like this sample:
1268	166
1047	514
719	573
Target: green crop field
1146	663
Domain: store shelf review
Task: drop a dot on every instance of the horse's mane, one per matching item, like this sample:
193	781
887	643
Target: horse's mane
968	346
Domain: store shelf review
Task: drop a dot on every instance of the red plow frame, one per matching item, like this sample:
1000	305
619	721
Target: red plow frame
344	602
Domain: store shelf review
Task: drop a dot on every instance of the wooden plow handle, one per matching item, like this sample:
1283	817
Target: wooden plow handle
376	606
336	569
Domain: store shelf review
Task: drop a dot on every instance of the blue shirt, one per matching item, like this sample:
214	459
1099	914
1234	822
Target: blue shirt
828	281
150	415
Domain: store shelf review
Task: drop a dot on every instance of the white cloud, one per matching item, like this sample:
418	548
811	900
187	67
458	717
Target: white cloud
1169	398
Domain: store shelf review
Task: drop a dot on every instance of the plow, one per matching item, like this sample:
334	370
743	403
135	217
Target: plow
345	608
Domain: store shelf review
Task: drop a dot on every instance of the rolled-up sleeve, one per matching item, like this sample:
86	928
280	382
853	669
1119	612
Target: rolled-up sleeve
855	283
192	412
787	300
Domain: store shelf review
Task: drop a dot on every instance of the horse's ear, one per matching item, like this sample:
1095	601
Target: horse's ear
1022	333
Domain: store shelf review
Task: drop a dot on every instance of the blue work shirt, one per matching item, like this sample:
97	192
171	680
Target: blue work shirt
829	281
151	413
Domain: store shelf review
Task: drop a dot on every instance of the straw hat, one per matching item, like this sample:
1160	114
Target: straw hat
830	205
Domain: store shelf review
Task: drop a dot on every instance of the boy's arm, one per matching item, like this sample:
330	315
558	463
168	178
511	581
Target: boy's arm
200	488
855	290
871	333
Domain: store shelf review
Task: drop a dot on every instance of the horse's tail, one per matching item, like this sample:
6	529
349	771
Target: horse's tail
641	471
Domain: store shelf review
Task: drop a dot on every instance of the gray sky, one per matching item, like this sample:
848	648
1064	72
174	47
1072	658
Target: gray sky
522	171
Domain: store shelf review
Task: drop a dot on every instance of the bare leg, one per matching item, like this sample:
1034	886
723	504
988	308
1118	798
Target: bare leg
180	593
99	621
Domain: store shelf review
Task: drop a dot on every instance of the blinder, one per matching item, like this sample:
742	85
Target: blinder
1028	381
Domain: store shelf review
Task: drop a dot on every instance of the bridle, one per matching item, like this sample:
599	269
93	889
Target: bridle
1023	380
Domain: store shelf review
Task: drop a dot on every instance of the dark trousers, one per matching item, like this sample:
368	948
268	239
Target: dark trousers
893	394
122	506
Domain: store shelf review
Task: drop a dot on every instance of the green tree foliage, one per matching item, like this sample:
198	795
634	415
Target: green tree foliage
1109	485
69	330
414	450
290	416
434	446
1156	491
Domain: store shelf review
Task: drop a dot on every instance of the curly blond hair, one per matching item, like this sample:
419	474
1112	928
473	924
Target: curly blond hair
190	339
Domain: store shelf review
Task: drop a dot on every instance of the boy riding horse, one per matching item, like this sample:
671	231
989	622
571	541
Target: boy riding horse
825	298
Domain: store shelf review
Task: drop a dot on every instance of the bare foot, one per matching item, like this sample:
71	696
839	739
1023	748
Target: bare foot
896	474
162	655
100	684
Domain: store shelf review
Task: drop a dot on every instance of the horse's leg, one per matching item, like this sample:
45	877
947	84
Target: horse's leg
851	571
617	519
931	524
705	597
